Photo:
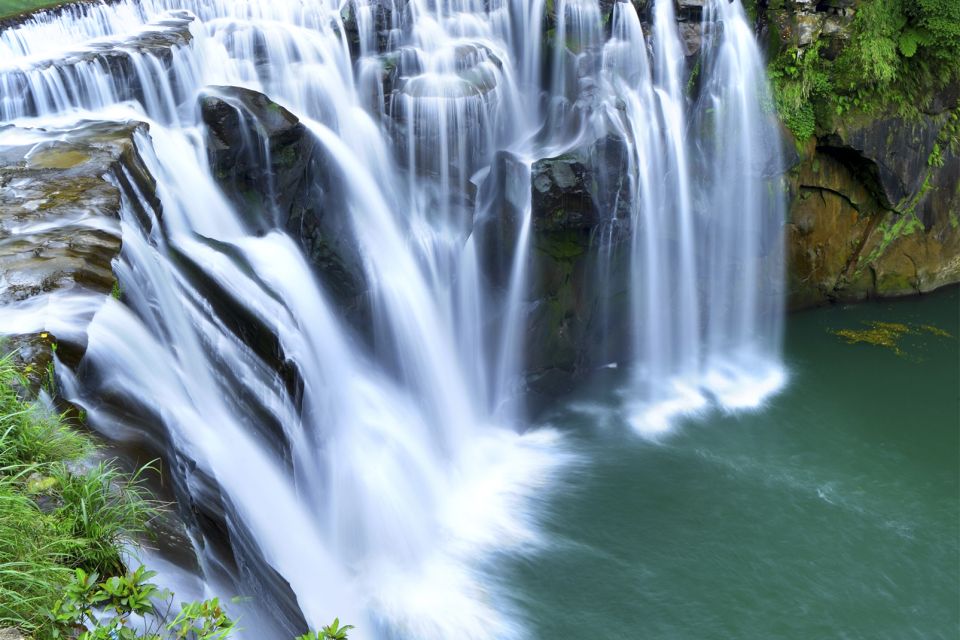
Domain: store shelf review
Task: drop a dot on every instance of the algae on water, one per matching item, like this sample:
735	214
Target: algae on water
888	334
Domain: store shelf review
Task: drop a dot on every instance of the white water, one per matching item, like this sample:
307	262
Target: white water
377	490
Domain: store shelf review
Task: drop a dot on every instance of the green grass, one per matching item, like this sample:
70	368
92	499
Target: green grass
14	7
32	573
53	519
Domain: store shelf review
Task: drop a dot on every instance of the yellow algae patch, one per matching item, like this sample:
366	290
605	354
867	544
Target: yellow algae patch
937	331
57	159
887	334
881	334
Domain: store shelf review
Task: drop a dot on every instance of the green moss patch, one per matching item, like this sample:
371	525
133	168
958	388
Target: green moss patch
898	55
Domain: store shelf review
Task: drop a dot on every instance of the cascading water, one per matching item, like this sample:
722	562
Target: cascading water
707	215
373	485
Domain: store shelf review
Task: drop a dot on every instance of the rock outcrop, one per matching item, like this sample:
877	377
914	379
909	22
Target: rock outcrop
580	207
800	23
874	197
274	170
865	226
60	201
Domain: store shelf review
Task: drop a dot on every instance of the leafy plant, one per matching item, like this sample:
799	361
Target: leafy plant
899	54
105	610
202	621
330	632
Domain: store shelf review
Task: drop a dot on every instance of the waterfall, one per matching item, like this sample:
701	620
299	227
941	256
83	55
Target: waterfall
369	470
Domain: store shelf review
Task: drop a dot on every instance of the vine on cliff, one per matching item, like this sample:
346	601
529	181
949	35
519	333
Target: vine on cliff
898	56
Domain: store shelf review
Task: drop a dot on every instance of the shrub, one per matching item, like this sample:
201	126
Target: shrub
899	55
95	610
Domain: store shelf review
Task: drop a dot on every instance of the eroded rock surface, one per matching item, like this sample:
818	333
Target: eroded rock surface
60	200
874	222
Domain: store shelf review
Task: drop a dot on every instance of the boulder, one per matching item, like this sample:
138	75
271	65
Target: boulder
276	173
580	230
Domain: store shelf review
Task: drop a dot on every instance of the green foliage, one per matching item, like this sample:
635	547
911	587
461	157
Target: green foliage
103	610
947	139
899	55
875	45
14	7
29	432
91	609
801	80
31	574
102	509
60	531
330	632
52	520
202	621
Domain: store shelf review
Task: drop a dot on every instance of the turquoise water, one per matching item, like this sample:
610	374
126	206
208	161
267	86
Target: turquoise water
832	513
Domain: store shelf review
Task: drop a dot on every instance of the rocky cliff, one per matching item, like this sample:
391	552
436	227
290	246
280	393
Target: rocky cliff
868	91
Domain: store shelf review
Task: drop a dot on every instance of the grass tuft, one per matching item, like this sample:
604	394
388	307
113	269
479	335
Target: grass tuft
53	519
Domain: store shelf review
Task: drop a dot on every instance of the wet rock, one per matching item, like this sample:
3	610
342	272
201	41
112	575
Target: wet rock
691	37
380	16
581	208
848	242
272	168
60	200
121	59
580	190
259	153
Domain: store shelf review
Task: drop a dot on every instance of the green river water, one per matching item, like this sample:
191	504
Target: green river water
832	513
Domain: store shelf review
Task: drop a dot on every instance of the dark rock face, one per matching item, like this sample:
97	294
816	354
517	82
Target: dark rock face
575	192
60	203
892	153
272	168
574	241
259	152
